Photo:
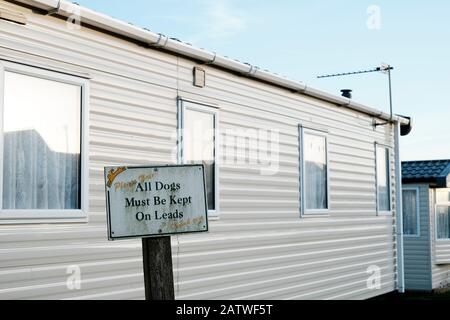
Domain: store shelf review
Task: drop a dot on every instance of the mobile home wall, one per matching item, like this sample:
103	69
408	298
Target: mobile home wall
260	247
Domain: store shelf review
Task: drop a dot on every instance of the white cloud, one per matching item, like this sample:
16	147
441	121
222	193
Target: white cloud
222	20
216	20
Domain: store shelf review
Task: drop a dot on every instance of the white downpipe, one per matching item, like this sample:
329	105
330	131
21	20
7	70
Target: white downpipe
399	213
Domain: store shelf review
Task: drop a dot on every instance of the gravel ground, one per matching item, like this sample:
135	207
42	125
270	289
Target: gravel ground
414	296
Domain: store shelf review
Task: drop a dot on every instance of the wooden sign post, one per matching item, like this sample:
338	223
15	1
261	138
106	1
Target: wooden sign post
153	203
158	271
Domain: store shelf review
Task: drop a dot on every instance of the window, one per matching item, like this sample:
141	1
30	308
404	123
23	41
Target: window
443	213
199	146
314	171
383	180
41	144
410	211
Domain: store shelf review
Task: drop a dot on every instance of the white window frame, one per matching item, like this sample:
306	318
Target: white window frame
436	204
184	104
321	133
416	189
388	149
13	216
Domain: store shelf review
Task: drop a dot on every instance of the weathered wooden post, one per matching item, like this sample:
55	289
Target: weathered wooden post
154	203
158	271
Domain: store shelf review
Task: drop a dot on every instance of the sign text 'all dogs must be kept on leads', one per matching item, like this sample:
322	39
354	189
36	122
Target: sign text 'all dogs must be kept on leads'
155	200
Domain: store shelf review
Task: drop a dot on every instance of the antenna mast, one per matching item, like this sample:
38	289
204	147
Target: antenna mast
385	68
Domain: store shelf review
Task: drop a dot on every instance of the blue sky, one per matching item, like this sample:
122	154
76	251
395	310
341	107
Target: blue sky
303	39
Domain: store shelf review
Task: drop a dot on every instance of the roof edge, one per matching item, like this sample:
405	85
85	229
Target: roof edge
444	178
439	179
104	22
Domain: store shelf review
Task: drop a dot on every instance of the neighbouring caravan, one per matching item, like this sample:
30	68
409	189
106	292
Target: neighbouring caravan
303	186
426	226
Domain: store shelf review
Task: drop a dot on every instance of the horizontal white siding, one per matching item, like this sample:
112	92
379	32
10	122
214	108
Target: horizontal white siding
260	248
440	251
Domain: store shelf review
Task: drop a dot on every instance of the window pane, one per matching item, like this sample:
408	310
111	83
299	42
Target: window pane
199	146
443	196
315	157
41	152
442	220
384	203
410	212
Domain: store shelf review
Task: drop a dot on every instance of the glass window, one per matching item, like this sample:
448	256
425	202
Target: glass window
41	143
443	196
410	212
315	175
383	179
443	213
199	145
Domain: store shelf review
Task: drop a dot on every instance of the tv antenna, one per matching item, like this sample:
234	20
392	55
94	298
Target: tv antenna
384	68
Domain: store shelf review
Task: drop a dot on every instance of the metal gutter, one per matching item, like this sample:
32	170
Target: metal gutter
153	39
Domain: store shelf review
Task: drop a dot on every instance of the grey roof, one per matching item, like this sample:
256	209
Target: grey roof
435	172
